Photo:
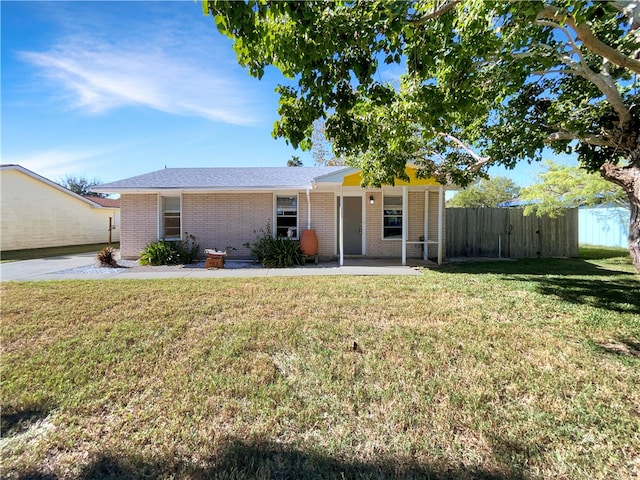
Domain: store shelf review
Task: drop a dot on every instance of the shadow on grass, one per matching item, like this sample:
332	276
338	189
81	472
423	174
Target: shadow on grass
14	422
571	280
623	347
240	460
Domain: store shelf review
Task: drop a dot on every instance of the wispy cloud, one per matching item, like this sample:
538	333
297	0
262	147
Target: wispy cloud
57	164
160	68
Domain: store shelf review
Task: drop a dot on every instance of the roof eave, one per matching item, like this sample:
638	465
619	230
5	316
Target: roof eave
125	190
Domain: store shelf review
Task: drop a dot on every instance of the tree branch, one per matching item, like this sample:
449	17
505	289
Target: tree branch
436	13
603	80
590	41
572	44
592	140
480	161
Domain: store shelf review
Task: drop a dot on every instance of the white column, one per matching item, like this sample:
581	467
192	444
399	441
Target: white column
405	223
341	221
425	247
440	221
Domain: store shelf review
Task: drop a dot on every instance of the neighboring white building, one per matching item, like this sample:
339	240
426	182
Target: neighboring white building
38	213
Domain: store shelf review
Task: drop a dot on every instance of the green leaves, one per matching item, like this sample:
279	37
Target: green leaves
503	78
485	193
561	187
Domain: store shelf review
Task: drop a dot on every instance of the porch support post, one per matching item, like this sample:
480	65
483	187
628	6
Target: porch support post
341	222
440	221
405	223
425	246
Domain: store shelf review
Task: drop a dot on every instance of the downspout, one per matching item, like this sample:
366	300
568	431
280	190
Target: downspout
308	209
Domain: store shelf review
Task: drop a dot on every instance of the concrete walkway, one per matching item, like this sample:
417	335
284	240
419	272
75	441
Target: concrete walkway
55	268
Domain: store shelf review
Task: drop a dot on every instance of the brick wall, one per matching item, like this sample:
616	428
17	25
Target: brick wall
220	220
323	220
139	224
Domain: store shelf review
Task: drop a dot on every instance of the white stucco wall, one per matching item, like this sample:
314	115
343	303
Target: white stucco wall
34	214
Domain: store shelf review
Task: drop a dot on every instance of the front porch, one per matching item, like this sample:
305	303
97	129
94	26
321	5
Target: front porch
404	222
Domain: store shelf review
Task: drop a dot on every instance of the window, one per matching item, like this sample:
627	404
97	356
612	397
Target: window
171	217
392	217
287	216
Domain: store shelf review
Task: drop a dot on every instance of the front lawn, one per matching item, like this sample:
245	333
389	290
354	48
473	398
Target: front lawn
494	370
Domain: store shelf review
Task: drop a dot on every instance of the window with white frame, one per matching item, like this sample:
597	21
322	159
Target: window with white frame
392	217
287	216
170	218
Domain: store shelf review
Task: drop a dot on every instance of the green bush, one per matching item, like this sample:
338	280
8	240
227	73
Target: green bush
170	252
282	253
275	252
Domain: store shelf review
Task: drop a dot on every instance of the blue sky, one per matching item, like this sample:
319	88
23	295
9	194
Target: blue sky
110	90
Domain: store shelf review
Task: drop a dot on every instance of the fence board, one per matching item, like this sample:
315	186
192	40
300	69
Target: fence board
506	232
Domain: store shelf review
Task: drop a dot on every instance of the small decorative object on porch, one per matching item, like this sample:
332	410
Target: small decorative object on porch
309	244
215	258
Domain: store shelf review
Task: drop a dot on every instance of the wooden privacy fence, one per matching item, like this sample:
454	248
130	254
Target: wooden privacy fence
506	232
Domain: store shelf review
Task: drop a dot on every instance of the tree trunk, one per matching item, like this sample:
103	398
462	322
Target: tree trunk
629	179
634	229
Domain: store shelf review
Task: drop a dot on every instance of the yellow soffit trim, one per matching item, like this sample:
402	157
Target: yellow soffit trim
355	179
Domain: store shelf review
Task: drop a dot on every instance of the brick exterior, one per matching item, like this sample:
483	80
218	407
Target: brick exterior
221	220
218	220
139	225
323	220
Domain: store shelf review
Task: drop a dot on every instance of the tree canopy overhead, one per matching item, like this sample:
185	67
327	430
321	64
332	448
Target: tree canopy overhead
483	83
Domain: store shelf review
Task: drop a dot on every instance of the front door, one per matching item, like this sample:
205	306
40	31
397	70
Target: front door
352	223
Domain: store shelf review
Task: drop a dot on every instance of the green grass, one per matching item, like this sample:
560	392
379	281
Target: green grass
593	252
496	370
32	253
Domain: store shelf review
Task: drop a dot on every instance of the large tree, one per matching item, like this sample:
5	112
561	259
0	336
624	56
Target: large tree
483	83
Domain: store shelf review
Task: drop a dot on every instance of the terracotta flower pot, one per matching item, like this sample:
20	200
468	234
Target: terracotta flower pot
309	242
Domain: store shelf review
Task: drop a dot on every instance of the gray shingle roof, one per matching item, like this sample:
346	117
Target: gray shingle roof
222	178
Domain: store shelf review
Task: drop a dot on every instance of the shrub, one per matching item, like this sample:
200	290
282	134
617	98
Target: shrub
170	252
275	252
106	257
260	246
282	253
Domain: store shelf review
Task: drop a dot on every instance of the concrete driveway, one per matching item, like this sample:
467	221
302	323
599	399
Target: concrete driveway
58	268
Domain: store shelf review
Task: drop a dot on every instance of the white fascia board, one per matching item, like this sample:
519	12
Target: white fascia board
46	181
336	177
166	191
